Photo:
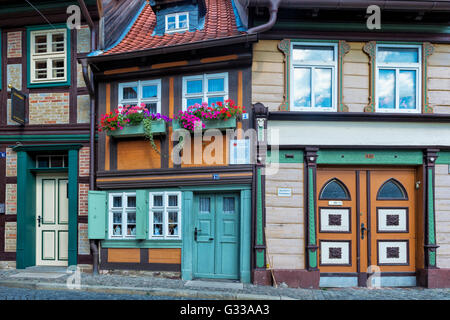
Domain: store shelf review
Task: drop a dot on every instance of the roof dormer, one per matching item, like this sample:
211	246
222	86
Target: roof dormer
173	16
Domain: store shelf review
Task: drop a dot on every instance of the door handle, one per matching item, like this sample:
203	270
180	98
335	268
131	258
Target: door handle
362	230
39	221
195	233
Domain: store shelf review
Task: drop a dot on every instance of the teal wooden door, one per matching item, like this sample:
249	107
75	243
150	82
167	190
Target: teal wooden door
216	236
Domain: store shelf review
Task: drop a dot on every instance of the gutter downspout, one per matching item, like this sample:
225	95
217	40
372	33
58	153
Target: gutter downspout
90	86
273	6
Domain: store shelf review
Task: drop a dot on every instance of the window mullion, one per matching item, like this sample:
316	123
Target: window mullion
124	216
397	91
313	97
49	68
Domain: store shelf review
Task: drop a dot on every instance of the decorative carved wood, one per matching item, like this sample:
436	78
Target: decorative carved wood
370	48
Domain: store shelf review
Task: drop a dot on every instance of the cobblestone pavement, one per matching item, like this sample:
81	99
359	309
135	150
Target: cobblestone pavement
30	294
147	282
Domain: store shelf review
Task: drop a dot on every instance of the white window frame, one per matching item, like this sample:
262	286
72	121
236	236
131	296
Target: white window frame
125	210
140	99
48	56
397	66
204	95
165	209
177	22
312	65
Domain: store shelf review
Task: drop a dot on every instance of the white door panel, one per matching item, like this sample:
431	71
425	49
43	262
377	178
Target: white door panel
52	220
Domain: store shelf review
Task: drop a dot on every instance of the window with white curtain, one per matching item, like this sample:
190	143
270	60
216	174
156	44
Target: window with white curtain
122	215
165	215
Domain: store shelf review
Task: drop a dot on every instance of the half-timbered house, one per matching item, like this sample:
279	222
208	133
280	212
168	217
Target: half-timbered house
356	191
45	136
150	211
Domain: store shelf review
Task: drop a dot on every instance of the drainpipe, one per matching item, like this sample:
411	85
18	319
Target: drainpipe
273	6
88	76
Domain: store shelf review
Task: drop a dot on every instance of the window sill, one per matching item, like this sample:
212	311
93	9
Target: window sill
48	84
158	128
134	243
358	116
211	124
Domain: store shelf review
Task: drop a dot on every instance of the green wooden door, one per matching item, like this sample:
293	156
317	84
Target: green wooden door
216	236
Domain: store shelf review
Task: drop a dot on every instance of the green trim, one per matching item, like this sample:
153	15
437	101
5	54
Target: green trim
47	170
311	219
259	221
73	206
389	157
141	244
328	26
48	147
26	212
46	137
431	235
431	228
443	157
212	188
297	156
68	53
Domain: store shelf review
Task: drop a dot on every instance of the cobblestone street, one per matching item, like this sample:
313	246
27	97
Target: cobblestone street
30	294
152	287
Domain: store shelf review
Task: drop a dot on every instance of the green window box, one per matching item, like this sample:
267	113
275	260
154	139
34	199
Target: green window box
211	124
158	128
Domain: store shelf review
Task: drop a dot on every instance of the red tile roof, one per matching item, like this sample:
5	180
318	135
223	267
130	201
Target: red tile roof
219	23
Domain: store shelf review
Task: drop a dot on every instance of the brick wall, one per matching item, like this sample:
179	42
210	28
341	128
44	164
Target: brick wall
83	109
11	163
14	75
83	169
83	189
11	199
83	241
14	48
10	236
49	108
84	40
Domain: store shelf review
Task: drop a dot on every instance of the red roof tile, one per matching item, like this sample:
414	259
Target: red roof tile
219	23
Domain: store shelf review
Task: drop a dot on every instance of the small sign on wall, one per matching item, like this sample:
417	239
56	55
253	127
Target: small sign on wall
335	203
2	155
284	192
2	208
18	103
239	151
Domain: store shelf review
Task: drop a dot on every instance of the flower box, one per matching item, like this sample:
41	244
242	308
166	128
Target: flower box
158	128
211	124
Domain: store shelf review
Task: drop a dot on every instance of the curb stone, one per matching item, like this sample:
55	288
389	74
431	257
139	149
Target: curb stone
143	291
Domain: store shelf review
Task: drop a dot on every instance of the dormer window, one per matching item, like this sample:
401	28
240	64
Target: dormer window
176	22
